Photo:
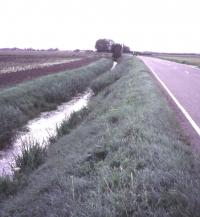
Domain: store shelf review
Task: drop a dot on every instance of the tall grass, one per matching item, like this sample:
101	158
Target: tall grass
7	187
75	119
110	76
32	155
127	158
25	101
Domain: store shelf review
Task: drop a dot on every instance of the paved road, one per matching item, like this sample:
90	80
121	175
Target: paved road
182	82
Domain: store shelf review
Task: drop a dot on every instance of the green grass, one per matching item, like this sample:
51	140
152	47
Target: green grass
184	59
33	155
7	187
25	101
75	119
128	157
108	78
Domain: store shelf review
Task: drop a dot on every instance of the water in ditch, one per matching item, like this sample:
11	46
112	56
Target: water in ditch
41	129
114	65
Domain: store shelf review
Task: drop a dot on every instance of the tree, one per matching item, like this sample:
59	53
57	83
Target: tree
116	51
126	49
104	45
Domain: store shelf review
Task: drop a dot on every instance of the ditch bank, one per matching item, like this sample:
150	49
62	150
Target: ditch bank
27	100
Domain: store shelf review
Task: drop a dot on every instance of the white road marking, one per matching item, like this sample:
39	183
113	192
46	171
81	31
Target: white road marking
185	113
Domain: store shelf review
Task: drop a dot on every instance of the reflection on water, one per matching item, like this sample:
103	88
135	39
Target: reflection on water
40	129
114	64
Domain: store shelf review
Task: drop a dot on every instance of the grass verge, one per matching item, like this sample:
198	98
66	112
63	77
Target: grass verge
127	158
25	101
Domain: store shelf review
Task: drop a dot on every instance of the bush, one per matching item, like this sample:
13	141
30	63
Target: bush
116	51
126	49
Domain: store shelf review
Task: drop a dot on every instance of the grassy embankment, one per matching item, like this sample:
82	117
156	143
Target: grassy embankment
26	100
128	157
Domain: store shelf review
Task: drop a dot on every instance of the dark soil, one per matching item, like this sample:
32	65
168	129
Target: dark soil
9	79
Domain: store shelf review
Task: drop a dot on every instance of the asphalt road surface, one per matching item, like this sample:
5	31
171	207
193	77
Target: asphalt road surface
182	83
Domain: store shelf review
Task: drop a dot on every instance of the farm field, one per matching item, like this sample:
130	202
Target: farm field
125	155
17	61
18	66
185	59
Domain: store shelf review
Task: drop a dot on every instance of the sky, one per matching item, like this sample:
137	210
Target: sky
143	25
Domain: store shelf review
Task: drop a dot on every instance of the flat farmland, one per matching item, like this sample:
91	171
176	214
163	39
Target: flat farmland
190	59
19	66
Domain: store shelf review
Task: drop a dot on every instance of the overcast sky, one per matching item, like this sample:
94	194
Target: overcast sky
154	25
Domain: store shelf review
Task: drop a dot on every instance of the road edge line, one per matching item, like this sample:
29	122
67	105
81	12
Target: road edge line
185	113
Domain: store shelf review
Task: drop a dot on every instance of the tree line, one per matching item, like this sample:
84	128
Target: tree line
109	46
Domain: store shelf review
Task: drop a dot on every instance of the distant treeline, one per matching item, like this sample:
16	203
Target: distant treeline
27	49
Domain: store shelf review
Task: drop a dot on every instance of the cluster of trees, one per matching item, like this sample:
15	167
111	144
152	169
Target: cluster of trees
105	45
109	46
